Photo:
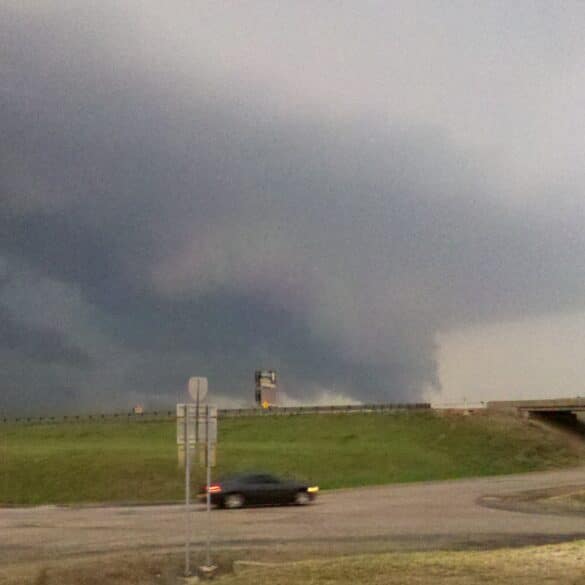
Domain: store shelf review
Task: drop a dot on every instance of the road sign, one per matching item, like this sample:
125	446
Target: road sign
186	423
207	429
198	389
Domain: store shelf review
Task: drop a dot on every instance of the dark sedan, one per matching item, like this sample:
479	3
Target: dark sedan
258	489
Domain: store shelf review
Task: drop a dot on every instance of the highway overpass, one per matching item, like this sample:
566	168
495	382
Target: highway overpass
555	408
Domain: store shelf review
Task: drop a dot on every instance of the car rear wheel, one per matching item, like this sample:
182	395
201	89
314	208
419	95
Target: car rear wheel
302	498
233	501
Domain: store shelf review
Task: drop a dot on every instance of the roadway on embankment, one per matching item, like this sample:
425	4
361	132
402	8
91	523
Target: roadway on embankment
442	514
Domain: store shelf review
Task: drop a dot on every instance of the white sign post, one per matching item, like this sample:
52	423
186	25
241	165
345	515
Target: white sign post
210	438
186	436
197	425
187	491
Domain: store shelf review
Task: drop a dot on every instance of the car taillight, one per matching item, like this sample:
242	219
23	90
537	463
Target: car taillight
214	488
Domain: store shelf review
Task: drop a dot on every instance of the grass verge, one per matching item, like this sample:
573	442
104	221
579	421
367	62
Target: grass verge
559	563
137	462
531	566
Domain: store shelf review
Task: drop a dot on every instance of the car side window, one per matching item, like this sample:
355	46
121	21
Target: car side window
261	478
268	479
250	479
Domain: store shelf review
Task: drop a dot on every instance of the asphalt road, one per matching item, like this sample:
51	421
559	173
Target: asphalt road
409	516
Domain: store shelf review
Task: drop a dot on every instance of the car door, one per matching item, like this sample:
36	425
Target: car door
276	490
252	489
264	489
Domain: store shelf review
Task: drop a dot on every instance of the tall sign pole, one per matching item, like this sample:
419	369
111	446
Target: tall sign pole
208	479
187	492
208	440
197	388
198	426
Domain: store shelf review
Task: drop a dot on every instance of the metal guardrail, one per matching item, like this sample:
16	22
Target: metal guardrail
222	413
458	405
78	418
296	410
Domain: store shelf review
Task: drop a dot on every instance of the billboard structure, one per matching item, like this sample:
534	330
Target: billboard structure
266	393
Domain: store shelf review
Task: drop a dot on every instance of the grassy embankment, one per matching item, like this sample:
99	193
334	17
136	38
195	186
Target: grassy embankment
107	462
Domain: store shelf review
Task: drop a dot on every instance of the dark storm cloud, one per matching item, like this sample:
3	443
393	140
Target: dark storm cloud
40	345
211	230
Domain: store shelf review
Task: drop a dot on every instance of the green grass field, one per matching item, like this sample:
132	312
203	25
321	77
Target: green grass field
137	462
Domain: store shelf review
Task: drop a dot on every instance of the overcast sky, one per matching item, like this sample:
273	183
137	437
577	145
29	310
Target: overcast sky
380	200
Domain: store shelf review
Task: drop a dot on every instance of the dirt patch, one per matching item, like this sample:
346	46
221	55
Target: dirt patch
127	569
566	500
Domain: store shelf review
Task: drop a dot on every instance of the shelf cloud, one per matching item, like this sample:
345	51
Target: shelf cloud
205	192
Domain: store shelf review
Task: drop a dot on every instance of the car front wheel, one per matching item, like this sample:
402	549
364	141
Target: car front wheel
302	498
